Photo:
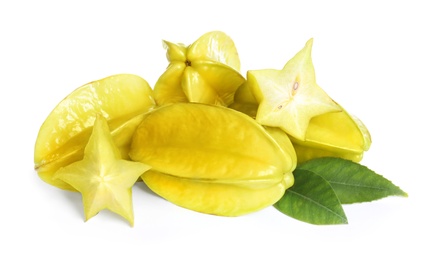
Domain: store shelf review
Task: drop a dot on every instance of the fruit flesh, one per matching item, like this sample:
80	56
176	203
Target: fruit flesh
103	178
290	97
121	99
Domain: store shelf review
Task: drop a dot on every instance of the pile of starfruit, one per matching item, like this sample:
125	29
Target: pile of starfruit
209	139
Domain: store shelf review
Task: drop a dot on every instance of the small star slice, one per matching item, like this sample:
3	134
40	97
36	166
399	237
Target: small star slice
290	97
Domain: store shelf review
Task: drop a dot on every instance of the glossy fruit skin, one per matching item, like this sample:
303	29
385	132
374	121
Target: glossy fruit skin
212	159
122	99
219	199
245	101
207	71
336	134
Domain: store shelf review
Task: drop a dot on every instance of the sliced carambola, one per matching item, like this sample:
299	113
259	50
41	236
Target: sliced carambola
290	97
103	177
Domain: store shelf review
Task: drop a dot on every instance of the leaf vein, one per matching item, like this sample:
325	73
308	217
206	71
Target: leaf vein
319	204
358	185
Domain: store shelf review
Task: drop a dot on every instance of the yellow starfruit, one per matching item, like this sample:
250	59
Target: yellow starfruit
336	134
213	159
245	101
122	100
207	71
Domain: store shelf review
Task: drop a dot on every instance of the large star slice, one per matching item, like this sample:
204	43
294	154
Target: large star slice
103	178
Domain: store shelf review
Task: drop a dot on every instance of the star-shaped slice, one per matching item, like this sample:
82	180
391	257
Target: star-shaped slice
290	97
103	178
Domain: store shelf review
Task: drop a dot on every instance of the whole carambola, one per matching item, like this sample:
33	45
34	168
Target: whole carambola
207	71
213	159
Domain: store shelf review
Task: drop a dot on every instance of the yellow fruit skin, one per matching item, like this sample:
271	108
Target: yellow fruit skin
207	71
203	155
335	134
336	130
306	153
212	198
245	101
284	143
122	99
167	88
217	83
215	46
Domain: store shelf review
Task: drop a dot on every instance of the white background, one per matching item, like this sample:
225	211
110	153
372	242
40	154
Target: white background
373	57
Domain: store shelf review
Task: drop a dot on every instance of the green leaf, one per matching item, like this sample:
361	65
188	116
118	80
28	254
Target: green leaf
311	199
351	181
